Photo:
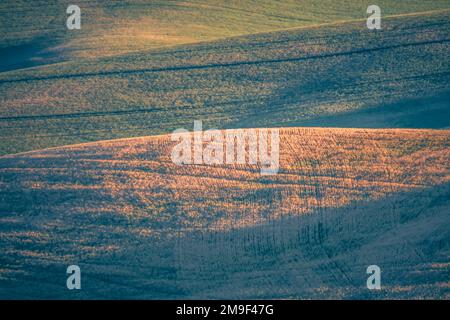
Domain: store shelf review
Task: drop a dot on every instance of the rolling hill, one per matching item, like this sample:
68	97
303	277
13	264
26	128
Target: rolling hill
36	30
140	226
86	175
334	76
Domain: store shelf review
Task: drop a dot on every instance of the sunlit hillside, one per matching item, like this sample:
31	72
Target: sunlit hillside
343	199
114	27
341	76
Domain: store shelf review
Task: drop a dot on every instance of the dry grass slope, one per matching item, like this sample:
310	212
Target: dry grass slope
342	198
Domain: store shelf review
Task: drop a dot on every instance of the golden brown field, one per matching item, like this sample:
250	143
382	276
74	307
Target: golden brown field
319	167
122	201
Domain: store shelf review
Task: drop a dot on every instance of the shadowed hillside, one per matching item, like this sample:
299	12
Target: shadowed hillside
140	226
342	75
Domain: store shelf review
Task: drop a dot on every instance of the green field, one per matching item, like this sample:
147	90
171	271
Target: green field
340	75
115	27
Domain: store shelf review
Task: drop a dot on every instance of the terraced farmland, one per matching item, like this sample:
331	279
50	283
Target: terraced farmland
140	226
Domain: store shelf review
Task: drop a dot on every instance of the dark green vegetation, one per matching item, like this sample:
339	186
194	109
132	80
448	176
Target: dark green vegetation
337	75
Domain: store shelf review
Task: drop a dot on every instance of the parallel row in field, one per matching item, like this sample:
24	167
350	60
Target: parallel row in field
141	226
342	75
